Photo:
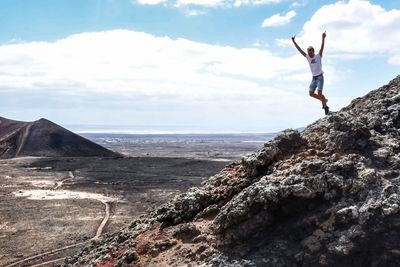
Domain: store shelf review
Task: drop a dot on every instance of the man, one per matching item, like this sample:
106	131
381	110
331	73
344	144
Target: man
314	60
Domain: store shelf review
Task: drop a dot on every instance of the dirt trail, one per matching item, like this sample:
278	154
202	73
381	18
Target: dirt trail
49	262
70	176
24	137
98	234
104	222
53	251
33	257
9	135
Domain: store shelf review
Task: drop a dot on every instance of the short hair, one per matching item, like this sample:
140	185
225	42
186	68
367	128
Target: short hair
310	48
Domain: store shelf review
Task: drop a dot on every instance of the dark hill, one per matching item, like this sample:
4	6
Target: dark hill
328	196
44	138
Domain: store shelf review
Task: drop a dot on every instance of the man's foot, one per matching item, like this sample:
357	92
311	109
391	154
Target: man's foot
326	108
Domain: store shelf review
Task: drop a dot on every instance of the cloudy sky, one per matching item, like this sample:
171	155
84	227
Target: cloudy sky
189	65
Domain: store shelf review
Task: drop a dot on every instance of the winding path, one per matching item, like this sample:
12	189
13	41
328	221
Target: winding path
9	135
48	262
53	251
104	222
33	257
70	175
24	137
98	234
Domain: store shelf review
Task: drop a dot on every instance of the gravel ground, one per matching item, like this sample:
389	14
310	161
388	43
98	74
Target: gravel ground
32	226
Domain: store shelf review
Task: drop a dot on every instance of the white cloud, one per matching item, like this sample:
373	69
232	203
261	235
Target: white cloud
194	12
150	2
207	3
278	20
139	61
354	27
159	76
299	3
211	3
201	7
255	2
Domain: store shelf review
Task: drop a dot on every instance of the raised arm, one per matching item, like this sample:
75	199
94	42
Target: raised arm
298	47
322	44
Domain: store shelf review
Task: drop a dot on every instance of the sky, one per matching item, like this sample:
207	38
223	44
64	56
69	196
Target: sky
189	65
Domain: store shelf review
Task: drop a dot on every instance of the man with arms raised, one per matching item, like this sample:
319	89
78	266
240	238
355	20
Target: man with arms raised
314	60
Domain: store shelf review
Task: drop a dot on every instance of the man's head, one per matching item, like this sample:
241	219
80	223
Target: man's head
310	51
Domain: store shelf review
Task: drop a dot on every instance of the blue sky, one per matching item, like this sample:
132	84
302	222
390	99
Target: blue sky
191	65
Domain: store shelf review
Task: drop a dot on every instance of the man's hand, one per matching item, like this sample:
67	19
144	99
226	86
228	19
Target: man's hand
298	48
322	44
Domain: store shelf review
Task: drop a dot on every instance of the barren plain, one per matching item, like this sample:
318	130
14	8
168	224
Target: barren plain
51	207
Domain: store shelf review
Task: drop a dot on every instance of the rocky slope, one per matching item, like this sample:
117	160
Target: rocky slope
44	138
326	196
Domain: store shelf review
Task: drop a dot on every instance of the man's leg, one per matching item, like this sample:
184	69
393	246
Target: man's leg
312	94
320	86
319	83
313	86
322	98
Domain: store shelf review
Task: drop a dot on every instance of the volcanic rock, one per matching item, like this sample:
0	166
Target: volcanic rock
44	138
326	196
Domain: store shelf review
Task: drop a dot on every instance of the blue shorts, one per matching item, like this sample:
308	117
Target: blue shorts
317	82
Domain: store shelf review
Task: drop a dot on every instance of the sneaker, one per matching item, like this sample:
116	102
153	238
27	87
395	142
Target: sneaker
326	110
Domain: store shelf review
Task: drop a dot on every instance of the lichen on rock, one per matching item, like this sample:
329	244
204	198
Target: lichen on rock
328	195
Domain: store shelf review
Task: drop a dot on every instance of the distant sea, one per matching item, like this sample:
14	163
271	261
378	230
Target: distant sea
165	132
256	137
148	129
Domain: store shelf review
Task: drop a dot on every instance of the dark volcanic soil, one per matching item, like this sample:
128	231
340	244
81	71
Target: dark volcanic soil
141	182
29	227
326	196
46	139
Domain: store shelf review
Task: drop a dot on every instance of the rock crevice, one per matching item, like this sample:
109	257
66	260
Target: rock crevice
326	196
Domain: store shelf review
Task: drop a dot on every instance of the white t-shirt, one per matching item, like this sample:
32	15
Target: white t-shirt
315	64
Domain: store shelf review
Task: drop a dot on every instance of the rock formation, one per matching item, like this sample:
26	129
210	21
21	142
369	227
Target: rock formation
44	138
323	197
